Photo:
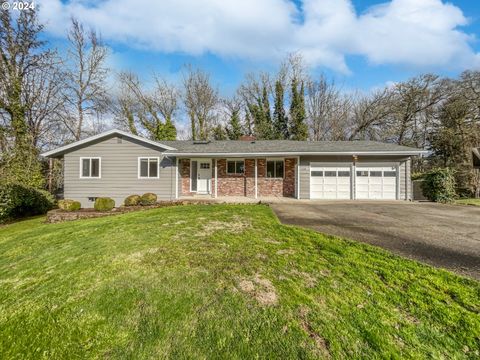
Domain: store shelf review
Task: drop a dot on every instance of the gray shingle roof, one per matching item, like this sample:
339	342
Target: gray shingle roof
286	146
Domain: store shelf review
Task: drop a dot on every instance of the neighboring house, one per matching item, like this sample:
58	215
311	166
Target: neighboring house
117	164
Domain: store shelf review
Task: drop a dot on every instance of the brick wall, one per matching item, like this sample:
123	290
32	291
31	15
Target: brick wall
244	184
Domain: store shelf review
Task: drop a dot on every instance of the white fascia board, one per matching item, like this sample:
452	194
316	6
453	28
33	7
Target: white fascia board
283	153
101	136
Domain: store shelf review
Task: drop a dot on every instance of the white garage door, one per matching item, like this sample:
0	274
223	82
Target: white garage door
330	182
376	182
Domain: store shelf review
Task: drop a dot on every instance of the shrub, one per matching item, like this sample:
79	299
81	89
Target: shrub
17	200
104	204
148	199
132	200
439	185
69	205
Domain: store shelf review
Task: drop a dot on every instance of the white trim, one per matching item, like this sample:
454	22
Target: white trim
148	177
288	153
99	167
256	178
236	160
216	179
298	177
176	179
397	189
101	136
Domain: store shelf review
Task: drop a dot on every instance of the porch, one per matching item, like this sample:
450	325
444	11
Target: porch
241	178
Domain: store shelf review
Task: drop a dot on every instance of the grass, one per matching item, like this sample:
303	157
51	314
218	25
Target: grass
220	281
475	202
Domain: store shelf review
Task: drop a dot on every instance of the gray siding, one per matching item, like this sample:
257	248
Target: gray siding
119	172
404	171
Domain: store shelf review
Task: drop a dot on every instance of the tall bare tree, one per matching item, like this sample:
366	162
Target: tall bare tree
139	110
201	100
21	56
86	91
328	110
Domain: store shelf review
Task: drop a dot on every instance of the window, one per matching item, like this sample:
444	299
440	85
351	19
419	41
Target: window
317	173
362	173
375	173
90	167
235	167
147	167
275	169
204	165
344	174
331	173
390	173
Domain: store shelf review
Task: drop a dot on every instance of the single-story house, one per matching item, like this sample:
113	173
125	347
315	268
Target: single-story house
117	164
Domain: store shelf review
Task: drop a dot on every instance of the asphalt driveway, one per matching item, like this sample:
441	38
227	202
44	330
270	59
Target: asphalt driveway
446	236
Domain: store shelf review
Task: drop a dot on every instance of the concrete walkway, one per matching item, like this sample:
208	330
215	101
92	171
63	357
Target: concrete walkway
446	236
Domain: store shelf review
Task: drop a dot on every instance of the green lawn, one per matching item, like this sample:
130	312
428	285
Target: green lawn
221	281
475	202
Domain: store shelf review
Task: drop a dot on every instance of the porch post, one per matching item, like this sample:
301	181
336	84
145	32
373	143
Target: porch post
256	181
216	180
176	179
298	177
50	175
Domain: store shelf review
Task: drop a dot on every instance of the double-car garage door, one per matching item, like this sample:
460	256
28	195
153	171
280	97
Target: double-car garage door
339	181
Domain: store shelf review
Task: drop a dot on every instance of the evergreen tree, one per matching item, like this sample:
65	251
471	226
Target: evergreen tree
167	131
262	119
219	133
280	119
298	126
234	130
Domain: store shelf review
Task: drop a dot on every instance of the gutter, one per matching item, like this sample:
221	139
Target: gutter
298	153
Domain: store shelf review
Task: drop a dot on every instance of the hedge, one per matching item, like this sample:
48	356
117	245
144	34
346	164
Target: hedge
148	199
132	200
104	204
439	185
18	200
69	205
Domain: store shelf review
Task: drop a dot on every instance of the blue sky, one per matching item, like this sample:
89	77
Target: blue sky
361	43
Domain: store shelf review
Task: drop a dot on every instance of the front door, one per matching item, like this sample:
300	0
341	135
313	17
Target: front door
204	176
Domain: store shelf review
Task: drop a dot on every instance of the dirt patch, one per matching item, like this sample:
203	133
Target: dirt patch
286	252
320	343
235	226
260	289
309	280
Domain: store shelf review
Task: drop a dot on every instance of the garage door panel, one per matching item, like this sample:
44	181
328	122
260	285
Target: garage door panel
330	182
376	182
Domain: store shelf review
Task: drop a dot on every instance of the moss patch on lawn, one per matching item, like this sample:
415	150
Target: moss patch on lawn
221	281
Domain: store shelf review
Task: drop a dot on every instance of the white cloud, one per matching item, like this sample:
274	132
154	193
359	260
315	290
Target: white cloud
419	33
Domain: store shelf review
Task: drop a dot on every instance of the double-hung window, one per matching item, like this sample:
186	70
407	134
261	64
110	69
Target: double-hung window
236	167
148	167
275	169
90	167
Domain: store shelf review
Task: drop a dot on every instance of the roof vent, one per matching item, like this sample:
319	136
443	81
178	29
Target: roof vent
201	142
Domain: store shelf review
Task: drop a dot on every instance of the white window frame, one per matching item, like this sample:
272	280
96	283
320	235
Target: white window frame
149	158
99	167
235	160
275	168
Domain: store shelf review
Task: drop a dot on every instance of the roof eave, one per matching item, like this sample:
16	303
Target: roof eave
64	149
299	153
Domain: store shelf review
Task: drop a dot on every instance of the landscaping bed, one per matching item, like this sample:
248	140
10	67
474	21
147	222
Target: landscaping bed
58	215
